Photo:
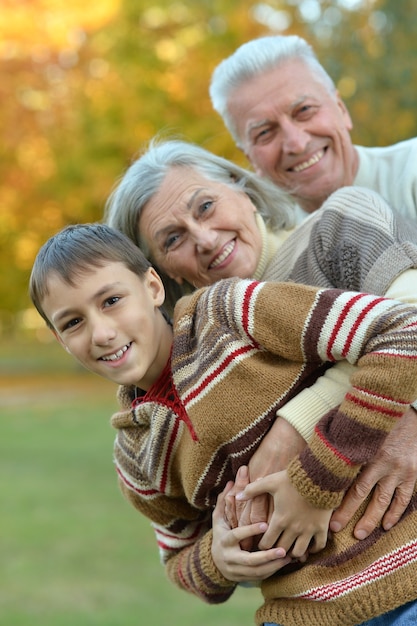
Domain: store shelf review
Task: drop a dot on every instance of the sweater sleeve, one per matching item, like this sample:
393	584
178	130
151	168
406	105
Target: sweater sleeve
311	404
183	532
383	386
184	547
357	244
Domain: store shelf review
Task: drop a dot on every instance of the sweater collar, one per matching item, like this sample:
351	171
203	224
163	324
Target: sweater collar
271	241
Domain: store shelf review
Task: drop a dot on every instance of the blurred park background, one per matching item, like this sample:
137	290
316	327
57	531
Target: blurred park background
83	87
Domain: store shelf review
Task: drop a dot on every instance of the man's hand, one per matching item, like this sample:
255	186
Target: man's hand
392	475
234	563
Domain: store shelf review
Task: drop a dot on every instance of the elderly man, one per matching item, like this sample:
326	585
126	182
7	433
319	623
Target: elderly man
284	112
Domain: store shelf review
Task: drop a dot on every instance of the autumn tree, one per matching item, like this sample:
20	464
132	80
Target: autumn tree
84	85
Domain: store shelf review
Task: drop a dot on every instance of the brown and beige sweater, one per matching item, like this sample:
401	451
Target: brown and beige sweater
355	241
240	350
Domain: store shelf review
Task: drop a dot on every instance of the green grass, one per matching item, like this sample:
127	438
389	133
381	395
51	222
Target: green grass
73	552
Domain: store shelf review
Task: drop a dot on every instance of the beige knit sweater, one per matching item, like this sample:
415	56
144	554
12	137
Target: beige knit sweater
240	350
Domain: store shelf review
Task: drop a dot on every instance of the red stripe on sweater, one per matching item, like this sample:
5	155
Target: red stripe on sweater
166	547
332	448
208	379
346	309
357	323
143	492
367	405
382	567
193	535
341	318
180	568
246	306
165	469
374	407
245	323
388	398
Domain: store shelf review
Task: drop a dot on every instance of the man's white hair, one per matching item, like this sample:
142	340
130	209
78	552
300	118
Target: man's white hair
256	57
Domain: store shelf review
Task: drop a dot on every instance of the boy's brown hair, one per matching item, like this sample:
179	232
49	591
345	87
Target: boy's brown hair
77	249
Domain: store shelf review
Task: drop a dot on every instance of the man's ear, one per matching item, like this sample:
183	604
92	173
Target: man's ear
345	112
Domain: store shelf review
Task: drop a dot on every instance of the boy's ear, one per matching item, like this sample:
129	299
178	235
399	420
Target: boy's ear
156	286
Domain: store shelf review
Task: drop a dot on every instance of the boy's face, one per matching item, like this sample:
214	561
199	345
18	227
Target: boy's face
110	322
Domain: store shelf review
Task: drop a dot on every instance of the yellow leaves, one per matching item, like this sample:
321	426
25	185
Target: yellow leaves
347	86
45	219
25	250
34	156
9	202
52	24
156	17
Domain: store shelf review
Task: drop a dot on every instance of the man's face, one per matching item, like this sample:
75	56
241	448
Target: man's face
295	132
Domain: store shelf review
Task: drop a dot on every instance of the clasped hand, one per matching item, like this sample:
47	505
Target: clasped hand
294	524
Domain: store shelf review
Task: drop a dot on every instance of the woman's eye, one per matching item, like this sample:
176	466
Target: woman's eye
205	206
170	241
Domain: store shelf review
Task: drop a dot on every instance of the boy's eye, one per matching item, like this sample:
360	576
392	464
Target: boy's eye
71	323
112	300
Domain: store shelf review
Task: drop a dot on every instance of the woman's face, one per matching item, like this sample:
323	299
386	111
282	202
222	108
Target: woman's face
199	230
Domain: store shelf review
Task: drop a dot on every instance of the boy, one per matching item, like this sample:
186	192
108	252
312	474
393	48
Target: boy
199	397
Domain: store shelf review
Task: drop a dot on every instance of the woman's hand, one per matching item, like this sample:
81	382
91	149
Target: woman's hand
234	563
392	475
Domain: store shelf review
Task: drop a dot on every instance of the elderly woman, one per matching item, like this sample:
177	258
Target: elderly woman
189	256
201	218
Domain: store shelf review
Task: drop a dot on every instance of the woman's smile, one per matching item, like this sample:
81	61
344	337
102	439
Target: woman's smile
223	255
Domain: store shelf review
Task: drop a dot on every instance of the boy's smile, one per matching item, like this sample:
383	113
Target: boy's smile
111	323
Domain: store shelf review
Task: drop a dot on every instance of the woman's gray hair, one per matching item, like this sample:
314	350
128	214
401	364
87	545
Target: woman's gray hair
146	174
253	58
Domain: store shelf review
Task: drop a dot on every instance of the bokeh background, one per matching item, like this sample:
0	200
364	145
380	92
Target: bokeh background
83	87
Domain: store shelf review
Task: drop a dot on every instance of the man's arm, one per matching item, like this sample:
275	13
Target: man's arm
392	474
392	477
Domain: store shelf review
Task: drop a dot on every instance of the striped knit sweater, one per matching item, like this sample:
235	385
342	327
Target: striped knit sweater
240	350
356	242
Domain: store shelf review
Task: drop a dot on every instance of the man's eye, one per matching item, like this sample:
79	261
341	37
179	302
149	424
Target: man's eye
263	135
306	111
